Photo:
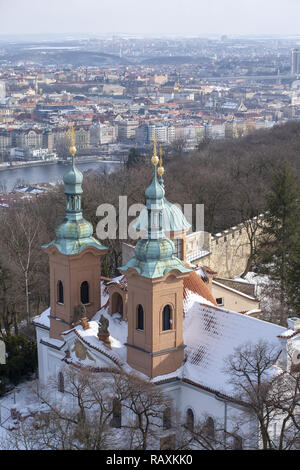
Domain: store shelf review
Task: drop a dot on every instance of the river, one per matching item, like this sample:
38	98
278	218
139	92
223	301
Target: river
48	173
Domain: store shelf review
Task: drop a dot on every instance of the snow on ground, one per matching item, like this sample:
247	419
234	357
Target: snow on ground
24	399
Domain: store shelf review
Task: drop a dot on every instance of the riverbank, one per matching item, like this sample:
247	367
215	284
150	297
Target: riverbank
46	173
17	165
88	159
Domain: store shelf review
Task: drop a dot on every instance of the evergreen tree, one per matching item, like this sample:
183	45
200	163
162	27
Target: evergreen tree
280	236
21	360
293	277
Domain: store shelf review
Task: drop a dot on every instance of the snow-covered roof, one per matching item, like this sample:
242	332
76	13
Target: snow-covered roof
253	311
43	319
238	292
211	334
118	330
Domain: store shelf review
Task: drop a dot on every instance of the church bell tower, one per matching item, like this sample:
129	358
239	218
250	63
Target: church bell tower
155	293
75	260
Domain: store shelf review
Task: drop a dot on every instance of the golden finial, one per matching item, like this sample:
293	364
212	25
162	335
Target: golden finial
154	159
160	169
71	133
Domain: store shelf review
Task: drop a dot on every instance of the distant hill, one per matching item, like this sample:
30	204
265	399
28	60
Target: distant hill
172	60
63	57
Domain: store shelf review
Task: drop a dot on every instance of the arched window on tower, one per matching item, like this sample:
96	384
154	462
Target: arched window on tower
190	419
140	317
84	293
61	382
167	318
60	292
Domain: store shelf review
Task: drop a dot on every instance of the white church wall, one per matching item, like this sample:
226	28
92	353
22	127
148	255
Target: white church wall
42	334
228	415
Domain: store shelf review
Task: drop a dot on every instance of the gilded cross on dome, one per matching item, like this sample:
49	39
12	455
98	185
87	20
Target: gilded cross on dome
155	158
71	134
160	169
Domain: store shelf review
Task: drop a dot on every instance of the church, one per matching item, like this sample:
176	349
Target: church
158	318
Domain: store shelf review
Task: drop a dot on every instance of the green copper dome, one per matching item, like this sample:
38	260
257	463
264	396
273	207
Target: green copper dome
155	192
154	253
173	219
153	268
74	233
159	249
74	230
73	181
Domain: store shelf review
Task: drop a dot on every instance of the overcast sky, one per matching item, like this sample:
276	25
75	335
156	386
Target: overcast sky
180	17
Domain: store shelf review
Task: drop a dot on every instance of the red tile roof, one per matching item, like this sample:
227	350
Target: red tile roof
194	283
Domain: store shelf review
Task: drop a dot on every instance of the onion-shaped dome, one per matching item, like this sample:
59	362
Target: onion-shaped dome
73	230
149	250
72	236
73	181
155	191
74	233
173	219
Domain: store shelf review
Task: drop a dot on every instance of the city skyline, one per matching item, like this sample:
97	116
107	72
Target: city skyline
170	17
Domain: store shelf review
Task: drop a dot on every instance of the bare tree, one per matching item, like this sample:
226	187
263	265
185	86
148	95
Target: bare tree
270	395
206	434
177	147
82	409
8	299
146	404
62	146
21	239
74	415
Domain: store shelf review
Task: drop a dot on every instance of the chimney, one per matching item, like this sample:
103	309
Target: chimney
210	274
